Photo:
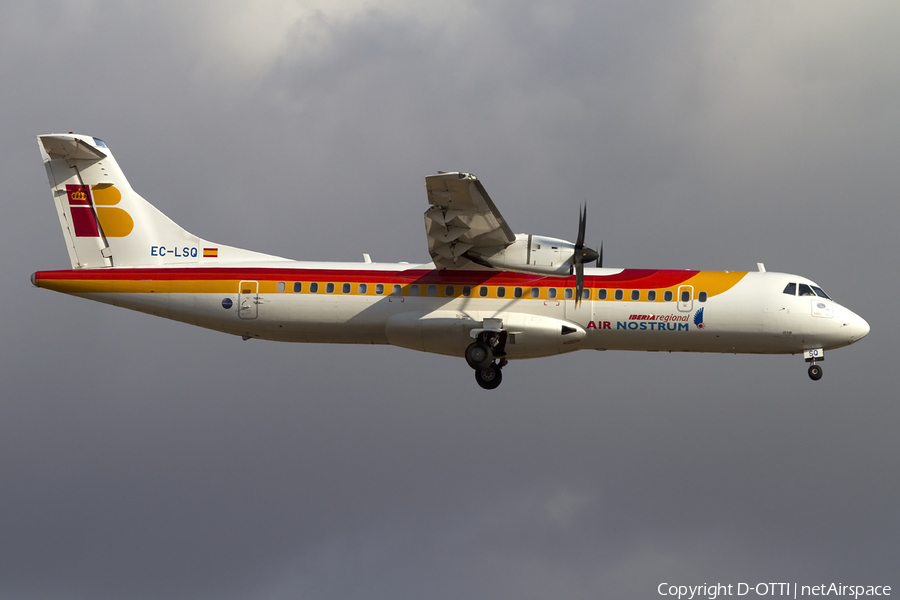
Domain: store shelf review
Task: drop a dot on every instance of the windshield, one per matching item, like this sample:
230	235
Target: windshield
803	289
820	292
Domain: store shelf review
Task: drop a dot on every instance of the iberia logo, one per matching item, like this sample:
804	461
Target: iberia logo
698	319
84	200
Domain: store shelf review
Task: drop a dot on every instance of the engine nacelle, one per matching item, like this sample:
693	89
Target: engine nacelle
533	254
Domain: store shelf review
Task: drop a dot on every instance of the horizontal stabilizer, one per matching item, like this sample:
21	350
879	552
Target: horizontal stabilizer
69	147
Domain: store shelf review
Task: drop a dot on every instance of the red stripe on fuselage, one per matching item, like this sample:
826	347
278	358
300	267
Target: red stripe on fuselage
631	278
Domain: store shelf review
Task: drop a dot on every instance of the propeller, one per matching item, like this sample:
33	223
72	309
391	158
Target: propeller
581	256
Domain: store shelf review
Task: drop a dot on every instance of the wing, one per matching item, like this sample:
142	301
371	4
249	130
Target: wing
462	217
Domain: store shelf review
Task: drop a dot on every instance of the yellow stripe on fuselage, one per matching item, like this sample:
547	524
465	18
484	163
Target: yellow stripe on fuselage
711	282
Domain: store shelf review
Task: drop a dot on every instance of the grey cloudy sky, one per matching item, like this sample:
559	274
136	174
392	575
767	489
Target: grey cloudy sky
142	458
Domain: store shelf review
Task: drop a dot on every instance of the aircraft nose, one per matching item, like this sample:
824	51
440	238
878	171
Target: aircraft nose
859	328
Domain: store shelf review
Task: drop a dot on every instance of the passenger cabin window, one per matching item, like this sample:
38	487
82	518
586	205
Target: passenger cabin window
551	293
363	288
651	295
314	288
298	287
379	288
449	291
685	296
635	294
702	297
535	292
397	289
805	290
279	287
432	290
414	290
501	292
329	288
585	294
482	291
517	292
667	296
568	293
345	289
601	294
619	294
790	289
467	290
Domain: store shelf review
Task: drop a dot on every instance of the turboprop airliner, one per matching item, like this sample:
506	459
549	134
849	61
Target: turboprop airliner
488	295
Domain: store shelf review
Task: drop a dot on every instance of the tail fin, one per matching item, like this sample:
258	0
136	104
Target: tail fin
106	223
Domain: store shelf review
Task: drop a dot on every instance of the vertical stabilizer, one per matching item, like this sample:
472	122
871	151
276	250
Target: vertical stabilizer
106	223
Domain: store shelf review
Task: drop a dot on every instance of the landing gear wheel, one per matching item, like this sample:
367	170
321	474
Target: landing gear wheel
489	377
815	372
479	356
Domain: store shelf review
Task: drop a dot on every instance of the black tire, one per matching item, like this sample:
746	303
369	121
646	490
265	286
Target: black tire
815	372
479	356
490	377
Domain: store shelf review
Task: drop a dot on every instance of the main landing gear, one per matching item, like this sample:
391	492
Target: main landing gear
812	356
487	355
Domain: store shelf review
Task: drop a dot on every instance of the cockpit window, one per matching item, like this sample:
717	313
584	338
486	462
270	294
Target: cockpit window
820	292
791	289
805	290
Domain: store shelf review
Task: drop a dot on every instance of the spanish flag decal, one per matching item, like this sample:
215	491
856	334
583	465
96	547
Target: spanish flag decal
210	253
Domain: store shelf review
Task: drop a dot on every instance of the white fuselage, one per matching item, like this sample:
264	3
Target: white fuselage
424	309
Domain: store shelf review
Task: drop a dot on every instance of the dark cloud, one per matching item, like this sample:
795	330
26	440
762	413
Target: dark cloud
143	458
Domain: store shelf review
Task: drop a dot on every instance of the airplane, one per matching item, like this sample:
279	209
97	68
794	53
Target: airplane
488	295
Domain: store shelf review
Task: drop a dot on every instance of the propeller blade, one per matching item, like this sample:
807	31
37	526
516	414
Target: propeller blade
582	222
579	282
600	258
581	256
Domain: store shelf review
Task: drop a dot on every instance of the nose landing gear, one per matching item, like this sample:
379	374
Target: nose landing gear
812	356
815	372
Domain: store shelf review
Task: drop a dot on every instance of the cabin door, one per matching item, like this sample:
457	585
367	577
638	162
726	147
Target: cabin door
685	298
248	299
